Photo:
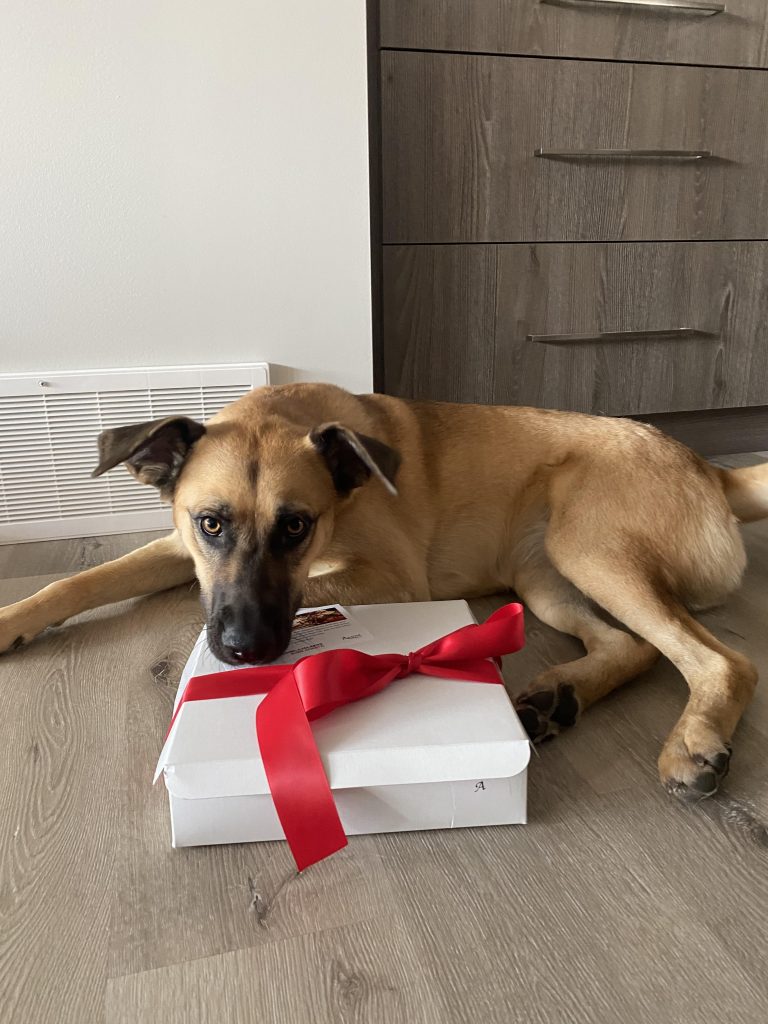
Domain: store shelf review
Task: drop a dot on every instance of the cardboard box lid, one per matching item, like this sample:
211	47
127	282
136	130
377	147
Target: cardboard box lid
419	729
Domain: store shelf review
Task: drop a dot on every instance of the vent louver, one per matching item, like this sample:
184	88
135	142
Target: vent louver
48	429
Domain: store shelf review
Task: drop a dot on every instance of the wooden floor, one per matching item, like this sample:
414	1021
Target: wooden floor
614	904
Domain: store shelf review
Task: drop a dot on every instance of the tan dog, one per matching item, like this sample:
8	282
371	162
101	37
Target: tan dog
288	496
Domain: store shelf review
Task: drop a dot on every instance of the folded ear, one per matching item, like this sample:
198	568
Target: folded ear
154	452
353	458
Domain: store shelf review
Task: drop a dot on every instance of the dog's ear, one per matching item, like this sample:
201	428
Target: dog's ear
353	458
154	452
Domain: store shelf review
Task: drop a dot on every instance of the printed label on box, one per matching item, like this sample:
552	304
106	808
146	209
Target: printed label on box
323	629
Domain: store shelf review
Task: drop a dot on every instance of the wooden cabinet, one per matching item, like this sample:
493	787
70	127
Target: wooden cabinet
674	32
574	207
599	328
479	149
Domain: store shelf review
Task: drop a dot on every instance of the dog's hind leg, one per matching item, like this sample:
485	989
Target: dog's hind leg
721	681
157	566
556	696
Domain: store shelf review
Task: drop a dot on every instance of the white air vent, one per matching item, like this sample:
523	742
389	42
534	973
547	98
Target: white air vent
48	429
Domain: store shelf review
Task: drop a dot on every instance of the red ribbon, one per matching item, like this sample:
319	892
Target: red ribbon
316	685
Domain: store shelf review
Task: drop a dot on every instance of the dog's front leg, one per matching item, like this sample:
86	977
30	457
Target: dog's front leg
362	582
157	566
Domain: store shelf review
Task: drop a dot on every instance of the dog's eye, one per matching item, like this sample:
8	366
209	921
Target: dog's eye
295	527
211	526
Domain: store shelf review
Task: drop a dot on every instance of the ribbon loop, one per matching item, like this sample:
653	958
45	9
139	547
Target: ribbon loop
314	687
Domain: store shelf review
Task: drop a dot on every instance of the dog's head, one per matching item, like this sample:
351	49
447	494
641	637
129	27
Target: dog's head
255	505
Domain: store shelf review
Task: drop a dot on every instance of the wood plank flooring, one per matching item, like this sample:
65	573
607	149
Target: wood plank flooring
614	903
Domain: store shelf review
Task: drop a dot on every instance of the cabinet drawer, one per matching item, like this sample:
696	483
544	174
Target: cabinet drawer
460	133
459	321
736	37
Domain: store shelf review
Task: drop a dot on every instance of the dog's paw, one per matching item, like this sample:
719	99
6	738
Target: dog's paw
692	767
546	711
15	629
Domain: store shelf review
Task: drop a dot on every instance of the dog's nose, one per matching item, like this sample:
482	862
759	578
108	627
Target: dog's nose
249	633
237	647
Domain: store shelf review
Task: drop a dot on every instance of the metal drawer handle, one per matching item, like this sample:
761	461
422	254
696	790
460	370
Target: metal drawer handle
623	154
674	6
556	339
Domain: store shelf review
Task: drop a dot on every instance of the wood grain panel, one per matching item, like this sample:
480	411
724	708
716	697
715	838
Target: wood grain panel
367	973
586	867
60	741
440	321
80	553
456	321
738	37
459	135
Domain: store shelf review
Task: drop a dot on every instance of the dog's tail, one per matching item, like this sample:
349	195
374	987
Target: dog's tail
746	491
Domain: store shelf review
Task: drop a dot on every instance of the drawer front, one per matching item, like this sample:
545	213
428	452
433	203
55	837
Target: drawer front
460	133
736	37
459	321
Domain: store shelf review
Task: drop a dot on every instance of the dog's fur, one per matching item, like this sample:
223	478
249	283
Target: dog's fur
607	529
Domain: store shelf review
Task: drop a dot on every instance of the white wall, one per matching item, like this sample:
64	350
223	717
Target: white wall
185	181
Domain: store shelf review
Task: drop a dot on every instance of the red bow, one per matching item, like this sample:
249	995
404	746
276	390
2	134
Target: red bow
319	683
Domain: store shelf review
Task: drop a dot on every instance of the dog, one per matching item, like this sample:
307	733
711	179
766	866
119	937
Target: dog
305	494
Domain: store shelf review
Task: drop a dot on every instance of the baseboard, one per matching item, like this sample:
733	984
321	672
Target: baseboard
716	431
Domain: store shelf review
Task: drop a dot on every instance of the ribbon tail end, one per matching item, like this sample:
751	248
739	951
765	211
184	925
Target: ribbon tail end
314	857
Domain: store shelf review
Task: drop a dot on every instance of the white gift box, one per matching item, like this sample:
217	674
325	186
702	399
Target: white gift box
423	753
